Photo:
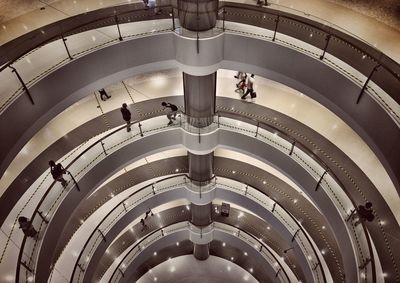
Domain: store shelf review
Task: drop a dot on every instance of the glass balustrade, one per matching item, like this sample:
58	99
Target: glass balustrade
90	154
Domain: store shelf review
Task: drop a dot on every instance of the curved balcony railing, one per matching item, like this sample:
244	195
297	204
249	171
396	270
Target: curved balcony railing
42	51
139	246
128	203
116	139
286	218
99	233
261	247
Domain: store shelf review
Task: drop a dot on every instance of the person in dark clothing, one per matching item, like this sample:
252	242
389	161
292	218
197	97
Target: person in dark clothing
250	87
27	227
148	212
126	115
241	85
57	171
103	94
171	115
365	213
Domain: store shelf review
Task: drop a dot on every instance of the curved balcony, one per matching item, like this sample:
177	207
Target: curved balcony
259	132
290	32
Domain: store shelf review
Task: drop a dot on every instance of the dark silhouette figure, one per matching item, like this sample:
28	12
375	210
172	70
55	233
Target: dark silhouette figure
27	227
103	94
57	171
250	85
365	213
148	212
172	114
241	85
126	115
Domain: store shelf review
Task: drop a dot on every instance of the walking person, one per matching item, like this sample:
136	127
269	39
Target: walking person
57	171
250	87
103	94
241	85
27	227
126	115
148	212
172	114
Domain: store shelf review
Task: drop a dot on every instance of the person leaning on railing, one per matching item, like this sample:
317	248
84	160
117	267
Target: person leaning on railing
27	227
364	213
171	115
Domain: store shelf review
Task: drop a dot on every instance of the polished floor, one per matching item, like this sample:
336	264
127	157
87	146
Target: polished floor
166	83
271	94
371	30
180	270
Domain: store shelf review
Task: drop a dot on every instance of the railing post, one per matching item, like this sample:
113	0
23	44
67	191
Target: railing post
277	273
327	39
276	28
140	129
223	19
258	125
102	235
80	267
245	192
320	180
162	232
199	136
66	47
23	84
295	234
42	216
75	182
23	263
198	43
351	215
315	266
123	204
104	149
152	187
119	31
273	207
291	150
366	83
173	19
365	263
218	119
261	246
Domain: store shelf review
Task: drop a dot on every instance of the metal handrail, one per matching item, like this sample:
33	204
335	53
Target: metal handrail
260	242
35	212
111	12
258	123
186	176
316	158
321	27
111	211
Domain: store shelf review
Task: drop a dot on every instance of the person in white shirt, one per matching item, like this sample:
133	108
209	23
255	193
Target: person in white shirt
250	87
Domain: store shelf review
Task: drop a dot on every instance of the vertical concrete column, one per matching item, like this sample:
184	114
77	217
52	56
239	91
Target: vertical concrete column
199	96
198	15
